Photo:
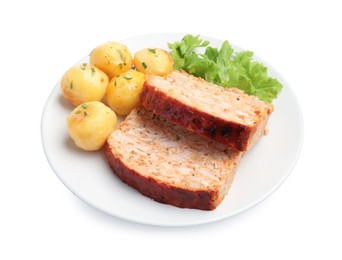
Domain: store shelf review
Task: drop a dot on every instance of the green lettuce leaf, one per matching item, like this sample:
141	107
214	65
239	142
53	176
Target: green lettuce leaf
224	67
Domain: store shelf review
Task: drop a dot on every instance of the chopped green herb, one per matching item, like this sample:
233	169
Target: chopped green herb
71	86
121	54
84	66
85	113
78	111
144	65
127	78
152	50
115	83
120	65
84	105
92	71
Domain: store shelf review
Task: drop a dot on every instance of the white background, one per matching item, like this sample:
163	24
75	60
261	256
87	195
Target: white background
41	219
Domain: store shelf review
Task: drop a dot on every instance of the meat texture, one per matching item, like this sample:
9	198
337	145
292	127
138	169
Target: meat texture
226	115
169	164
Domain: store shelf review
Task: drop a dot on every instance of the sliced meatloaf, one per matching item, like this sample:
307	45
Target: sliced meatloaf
226	115
169	164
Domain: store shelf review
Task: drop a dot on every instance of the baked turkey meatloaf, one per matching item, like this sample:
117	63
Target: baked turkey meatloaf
170	164
226	115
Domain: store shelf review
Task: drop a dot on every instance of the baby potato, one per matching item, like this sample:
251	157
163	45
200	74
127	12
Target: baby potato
111	57
89	125
124	90
84	83
153	61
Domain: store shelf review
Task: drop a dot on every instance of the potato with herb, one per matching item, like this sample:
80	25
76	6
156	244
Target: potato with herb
153	61
84	83
89	125
123	91
111	57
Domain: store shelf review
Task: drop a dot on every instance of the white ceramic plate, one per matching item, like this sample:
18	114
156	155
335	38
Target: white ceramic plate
89	177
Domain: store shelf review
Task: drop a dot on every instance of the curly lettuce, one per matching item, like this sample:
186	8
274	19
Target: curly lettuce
224	67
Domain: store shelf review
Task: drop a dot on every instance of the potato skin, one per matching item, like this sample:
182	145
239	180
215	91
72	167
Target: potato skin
111	57
90	124
153	61
83	83
124	90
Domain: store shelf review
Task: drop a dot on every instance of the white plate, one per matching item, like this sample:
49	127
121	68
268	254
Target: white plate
89	177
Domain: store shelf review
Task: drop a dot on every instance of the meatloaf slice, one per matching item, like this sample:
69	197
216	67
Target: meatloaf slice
226	115
170	164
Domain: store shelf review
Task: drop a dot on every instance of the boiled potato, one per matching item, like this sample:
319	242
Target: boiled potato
84	83
123	91
90	124
153	61
111	57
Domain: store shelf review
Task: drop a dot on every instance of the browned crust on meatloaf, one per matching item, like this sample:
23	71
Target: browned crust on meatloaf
230	133
161	192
